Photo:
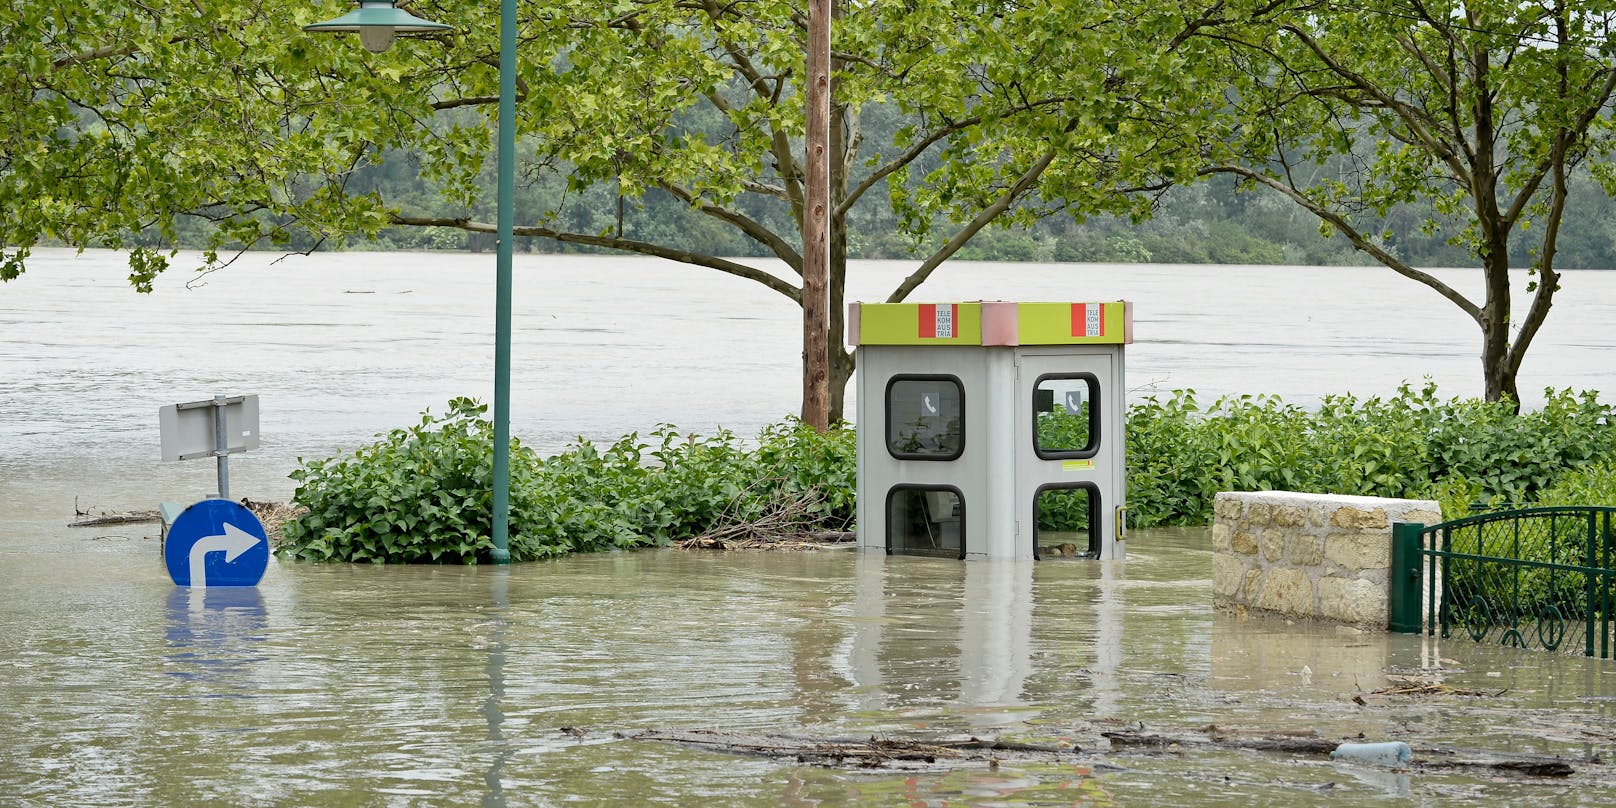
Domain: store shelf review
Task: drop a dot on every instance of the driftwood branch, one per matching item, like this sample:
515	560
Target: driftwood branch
865	753
129	517
907	753
788	521
1426	758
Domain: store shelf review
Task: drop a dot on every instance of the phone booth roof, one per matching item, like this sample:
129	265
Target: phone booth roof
991	323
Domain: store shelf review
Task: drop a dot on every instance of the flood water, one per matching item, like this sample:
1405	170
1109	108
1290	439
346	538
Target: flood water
345	685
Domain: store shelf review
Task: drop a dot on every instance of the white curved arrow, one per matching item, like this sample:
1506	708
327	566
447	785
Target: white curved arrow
232	542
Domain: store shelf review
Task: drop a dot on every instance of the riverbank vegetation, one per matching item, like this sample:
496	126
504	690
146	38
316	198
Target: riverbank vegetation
1413	444
422	493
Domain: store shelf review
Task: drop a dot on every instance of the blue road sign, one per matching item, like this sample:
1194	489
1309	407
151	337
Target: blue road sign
216	543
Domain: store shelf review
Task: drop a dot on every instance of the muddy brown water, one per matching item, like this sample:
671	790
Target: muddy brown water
361	685
339	685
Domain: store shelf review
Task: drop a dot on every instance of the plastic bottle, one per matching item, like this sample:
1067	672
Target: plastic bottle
1395	754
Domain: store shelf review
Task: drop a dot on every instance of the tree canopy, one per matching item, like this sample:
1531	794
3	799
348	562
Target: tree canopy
951	117
703	102
136	115
123	117
1475	114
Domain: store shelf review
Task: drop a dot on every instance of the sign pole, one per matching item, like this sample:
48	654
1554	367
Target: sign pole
221	445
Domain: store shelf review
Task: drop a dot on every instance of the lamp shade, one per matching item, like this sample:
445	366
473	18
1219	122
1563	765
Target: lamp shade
376	22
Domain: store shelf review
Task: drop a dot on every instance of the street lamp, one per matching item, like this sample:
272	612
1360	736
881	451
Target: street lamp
376	21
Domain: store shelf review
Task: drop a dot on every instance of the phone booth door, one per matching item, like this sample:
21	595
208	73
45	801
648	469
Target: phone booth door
1069	482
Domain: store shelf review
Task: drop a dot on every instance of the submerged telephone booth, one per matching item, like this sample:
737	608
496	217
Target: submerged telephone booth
991	430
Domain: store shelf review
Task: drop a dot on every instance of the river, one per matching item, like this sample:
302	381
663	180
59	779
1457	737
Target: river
342	685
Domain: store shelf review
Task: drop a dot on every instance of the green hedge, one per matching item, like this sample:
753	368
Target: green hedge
422	494
1413	444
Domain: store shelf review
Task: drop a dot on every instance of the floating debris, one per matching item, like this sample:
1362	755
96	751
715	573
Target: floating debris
789	522
875	752
1431	688
272	515
125	518
888	752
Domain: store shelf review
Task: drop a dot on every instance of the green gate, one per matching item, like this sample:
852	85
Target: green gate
1528	578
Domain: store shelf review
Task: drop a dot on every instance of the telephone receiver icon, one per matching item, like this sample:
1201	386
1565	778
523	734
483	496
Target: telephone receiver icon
931	407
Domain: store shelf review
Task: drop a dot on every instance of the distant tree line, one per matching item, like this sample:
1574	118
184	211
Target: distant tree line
1213	222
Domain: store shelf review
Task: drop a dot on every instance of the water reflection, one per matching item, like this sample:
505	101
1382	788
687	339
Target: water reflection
1109	609
493	706
995	640
989	623
1254	653
215	636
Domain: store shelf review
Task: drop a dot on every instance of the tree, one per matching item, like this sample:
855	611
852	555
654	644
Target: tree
124	118
1474	111
703	101
257	126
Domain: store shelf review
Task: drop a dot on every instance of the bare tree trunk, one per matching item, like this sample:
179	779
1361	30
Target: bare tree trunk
839	360
1497	374
815	224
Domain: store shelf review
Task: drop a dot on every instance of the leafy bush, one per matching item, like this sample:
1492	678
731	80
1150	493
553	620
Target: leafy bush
423	494
822	466
1513	456
1409	445
1062	431
1062	509
1166	462
420	494
1592	484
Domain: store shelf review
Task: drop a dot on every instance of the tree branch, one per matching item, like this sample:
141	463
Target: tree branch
751	227
1410	117
612	243
966	233
1340	223
908	156
1548	281
919	147
1584	120
456	103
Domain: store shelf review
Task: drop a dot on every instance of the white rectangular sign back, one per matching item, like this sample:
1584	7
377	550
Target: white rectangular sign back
188	429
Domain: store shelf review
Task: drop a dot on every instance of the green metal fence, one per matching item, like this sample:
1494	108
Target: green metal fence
1528	578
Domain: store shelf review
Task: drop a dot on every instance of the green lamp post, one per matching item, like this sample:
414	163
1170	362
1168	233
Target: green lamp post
376	22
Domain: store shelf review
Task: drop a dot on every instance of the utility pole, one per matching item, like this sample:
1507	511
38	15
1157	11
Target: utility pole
816	224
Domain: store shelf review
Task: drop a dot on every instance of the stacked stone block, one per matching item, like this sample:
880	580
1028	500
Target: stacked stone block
1308	555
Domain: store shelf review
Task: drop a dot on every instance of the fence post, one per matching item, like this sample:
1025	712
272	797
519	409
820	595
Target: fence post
1591	604
1403	599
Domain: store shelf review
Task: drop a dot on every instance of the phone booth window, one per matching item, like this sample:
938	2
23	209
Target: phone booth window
1067	520
928	521
925	417
1066	415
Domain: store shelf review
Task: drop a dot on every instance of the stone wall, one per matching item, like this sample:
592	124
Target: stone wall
1308	555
